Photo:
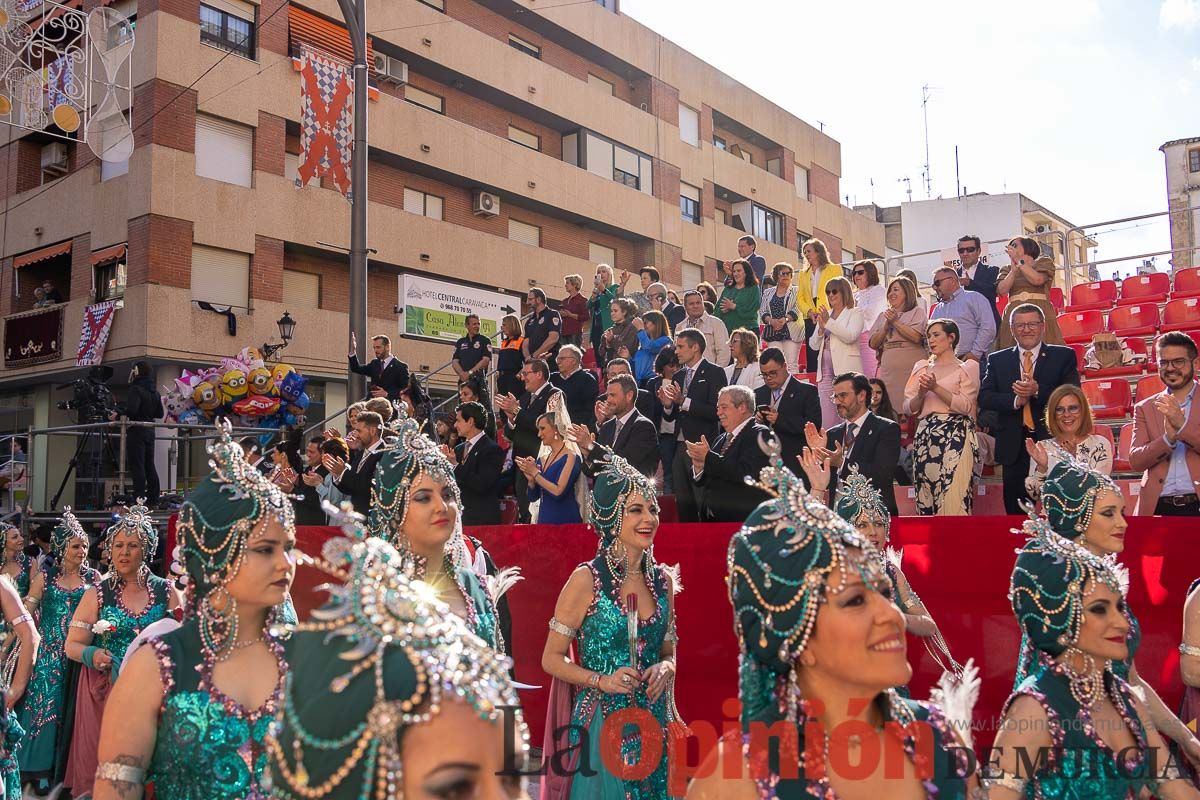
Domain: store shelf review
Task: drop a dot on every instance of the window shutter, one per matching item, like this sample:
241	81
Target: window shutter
414	201
689	191
692	275
291	166
599	254
301	289
237	8
801	182
424	99
524	233
224	150
220	277
596	82
433	207
526	138
689	125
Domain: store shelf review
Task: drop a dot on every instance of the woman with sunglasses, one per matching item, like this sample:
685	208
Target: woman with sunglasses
870	297
836	342
782	319
1073	436
1028	279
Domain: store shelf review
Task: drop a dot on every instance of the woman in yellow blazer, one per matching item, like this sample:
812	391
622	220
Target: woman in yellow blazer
810	281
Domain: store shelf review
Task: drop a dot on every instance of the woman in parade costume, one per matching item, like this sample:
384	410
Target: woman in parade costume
18	623
192	710
416	507
1086	506
391	695
861	504
594	606
56	592
1099	740
110	615
1189	660
14	564
822	645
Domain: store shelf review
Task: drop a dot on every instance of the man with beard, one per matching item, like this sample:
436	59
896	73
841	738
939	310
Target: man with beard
1166	437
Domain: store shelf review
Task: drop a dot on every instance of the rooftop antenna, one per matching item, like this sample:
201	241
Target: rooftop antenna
872	191
957	180
907	186
926	91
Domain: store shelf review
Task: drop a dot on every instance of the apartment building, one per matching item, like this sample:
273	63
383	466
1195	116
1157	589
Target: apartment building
593	138
1182	160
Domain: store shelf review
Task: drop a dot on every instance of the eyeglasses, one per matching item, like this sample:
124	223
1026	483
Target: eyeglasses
1027	326
657	296
1063	411
1173	363
962	250
783	272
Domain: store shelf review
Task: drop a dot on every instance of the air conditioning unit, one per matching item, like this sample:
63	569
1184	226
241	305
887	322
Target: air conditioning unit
54	158
485	204
390	69
1041	229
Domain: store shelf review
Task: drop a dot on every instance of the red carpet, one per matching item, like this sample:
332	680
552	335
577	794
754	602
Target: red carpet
966	593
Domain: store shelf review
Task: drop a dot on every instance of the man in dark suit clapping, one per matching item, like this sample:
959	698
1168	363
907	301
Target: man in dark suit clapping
627	433
786	405
690	401
355	482
520	422
976	276
1016	384
722	468
388	374
478	461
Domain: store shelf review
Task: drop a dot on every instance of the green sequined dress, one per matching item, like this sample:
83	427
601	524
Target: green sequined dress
604	647
208	746
40	710
481	610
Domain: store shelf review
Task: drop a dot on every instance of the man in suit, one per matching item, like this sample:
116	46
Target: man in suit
736	454
578	385
1016	384
627	433
388	374
619	366
666	364
786	405
975	276
1166	437
355	482
478	461
520	422
674	312
865	440
689	400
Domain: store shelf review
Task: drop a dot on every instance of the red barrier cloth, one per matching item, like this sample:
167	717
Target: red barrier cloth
967	594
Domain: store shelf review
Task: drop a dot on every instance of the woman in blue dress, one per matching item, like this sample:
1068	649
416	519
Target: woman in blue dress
191	711
822	647
1097	737
56	592
607	677
13	561
553	477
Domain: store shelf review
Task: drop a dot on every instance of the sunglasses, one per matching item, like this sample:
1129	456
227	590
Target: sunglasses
967	249
831	292
858	272
783	272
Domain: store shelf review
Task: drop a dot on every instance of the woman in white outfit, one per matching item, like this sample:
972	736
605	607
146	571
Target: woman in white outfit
835	341
744	369
871	299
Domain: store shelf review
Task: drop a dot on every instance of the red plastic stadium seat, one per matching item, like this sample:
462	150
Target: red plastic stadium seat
1056	298
1081	326
1137	346
1101	294
1145	288
1187	283
1124	445
1080	350
807	377
1109	399
1181	314
1148	387
1134	320
1001	304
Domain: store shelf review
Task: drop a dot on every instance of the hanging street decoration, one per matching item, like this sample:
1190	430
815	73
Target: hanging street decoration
326	127
93	338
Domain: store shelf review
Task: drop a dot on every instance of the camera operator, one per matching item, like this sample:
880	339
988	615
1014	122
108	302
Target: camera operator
142	404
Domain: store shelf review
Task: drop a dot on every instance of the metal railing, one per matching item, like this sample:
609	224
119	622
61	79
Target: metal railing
1079	230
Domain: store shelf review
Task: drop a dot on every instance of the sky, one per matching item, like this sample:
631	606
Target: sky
1065	101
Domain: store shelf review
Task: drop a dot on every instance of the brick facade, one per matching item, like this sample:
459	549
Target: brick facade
266	270
382	288
270	141
164	114
160	251
832	243
823	184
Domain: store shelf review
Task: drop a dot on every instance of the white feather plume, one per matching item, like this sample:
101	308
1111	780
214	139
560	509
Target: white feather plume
502	581
956	697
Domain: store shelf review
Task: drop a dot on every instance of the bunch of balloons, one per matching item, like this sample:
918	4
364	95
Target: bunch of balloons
242	389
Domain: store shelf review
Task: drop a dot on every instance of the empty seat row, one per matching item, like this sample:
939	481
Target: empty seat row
1141	319
1153	288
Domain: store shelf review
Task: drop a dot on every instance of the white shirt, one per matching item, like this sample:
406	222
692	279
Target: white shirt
856	426
375	446
471	444
873	302
383	363
782	389
732	436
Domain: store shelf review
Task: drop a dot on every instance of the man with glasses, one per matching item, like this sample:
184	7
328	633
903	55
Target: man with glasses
674	312
786	405
1016	384
970	310
578	385
975	276
1166	436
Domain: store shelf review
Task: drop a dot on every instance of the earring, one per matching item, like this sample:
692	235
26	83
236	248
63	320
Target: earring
218	622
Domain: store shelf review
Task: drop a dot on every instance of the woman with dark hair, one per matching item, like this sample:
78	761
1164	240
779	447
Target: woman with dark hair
944	393
474	390
552	478
880	402
781	316
710	296
899	335
1027	279
741	299
621	340
835	340
654	333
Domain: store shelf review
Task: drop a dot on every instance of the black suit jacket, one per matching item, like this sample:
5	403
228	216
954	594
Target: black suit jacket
638	443
394	379
701	417
522	431
984	281
727	498
674	312
798	405
1054	366
478	479
356	481
579	392
876	452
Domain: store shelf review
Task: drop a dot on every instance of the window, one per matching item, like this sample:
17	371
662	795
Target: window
109	277
229	25
692	275
301	289
596	82
1194	161
224	150
801	182
609	160
524	233
599	254
720	216
291	166
766	224
847	256
427	205
689	203
689	125
775	167
220	277
719	143
801	238
425	99
440	5
530	140
525	47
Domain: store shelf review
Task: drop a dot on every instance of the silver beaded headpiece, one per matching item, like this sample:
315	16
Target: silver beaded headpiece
1069	495
616	481
68	528
136	520
857	496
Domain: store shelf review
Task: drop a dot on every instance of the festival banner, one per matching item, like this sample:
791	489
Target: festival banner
438	310
34	337
326	122
93	339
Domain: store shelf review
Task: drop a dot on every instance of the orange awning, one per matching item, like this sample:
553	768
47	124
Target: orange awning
305	27
41	255
113	253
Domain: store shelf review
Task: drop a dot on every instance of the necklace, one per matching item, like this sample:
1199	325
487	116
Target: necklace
233	648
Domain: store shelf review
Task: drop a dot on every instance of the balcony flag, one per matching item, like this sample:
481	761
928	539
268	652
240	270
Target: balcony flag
93	339
326	130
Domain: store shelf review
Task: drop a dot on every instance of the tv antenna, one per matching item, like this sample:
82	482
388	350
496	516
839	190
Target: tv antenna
926	92
907	186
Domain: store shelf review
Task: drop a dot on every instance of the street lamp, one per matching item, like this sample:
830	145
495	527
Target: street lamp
287	327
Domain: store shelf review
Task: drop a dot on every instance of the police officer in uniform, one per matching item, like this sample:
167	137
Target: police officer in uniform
473	352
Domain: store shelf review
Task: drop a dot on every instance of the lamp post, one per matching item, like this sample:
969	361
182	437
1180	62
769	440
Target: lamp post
287	328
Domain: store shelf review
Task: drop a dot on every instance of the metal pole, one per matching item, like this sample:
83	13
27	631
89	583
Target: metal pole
355	12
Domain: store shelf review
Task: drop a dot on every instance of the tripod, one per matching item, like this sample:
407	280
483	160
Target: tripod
105	449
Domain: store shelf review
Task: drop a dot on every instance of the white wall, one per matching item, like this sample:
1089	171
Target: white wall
937	224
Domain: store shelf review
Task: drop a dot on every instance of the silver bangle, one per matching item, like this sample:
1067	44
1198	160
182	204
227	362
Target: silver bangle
81	625
26	617
113	772
1006	781
559	628
1189	649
